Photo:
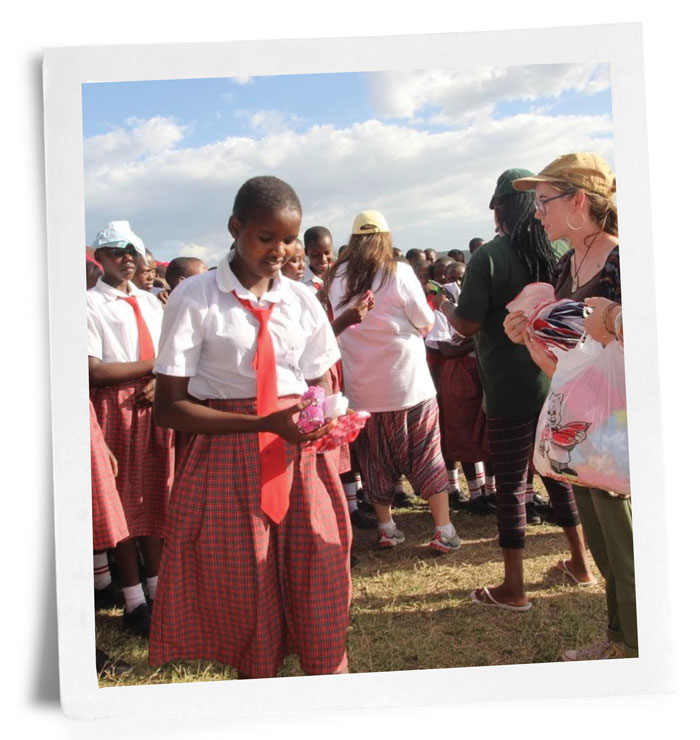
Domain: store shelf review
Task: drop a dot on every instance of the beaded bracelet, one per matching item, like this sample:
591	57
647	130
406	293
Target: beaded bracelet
606	313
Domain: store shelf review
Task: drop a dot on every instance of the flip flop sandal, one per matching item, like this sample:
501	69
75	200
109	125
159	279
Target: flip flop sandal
500	605
561	566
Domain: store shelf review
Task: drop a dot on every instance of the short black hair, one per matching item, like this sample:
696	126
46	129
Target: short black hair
415	253
455	254
177	268
264	193
315	234
474	243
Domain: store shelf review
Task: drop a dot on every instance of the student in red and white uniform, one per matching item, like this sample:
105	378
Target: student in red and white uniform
256	560
123	330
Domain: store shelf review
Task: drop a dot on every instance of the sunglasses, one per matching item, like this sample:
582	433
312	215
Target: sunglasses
119	252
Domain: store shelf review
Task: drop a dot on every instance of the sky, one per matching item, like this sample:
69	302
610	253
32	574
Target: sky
424	147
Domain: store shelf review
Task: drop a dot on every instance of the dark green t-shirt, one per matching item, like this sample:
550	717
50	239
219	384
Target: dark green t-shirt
513	384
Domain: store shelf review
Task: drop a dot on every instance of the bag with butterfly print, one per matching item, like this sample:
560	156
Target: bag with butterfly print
582	430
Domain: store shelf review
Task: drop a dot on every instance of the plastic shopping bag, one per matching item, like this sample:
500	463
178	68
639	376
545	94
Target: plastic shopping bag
582	430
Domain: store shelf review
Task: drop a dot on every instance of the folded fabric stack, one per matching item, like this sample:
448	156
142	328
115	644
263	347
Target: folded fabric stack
558	324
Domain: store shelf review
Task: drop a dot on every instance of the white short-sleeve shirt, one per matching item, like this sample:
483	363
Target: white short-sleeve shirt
112	330
384	364
211	338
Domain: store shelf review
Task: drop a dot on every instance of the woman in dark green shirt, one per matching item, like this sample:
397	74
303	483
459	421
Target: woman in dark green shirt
514	387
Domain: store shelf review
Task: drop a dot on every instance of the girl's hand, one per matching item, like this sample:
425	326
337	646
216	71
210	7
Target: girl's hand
546	362
145	396
599	323
514	326
283	424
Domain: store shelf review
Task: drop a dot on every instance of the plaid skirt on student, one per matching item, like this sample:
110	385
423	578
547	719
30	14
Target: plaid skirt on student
108	522
236	588
334	376
462	419
145	453
405	442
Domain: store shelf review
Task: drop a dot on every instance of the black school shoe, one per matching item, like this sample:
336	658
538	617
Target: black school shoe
531	514
458	500
361	520
138	622
481	506
109	597
403	500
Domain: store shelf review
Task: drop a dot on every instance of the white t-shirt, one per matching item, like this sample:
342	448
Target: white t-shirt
112	331
384	365
210	337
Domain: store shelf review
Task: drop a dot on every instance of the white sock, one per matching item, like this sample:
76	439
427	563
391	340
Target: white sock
490	484
529	493
351	495
480	475
448	529
101	570
151	585
474	489
133	597
453	475
388	527
358	480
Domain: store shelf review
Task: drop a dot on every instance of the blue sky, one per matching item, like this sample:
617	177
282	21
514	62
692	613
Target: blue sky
425	147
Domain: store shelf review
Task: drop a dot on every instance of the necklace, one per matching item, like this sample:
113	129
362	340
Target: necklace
574	279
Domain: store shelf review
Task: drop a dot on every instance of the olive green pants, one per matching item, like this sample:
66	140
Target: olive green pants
607	524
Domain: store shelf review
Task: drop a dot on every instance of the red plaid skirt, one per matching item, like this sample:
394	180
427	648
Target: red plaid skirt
234	587
396	443
108	522
462	419
334	376
145	453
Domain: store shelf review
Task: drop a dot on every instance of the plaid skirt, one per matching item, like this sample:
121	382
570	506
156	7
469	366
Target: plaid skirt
405	442
145	453
236	588
108	522
462	419
334	376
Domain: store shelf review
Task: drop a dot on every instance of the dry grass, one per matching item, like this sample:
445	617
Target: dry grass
411	608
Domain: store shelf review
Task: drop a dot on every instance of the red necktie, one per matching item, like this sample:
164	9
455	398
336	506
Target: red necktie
146	351
274	491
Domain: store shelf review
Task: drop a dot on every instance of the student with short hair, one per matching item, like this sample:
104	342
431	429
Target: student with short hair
123	331
145	275
318	247
295	267
256	561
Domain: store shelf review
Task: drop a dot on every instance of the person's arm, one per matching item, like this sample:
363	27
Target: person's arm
352	315
175	409
464	326
602	322
546	362
451	350
111	373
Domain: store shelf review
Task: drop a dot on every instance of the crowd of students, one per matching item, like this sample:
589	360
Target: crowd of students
206	491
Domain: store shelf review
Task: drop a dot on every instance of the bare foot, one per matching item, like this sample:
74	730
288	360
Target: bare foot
579	574
502	595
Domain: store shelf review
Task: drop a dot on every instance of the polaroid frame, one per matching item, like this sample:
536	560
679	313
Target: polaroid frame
65	69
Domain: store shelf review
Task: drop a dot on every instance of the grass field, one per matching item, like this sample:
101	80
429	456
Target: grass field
411	608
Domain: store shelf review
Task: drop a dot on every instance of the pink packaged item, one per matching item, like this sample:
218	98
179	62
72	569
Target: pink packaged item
530	297
344	432
312	417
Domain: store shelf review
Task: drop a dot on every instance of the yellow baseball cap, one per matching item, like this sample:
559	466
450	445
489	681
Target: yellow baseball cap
586	171
370	222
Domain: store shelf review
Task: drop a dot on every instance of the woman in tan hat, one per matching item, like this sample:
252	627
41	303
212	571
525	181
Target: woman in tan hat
574	196
514	386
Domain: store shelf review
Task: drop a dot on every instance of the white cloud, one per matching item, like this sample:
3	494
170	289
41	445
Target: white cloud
242	80
433	187
461	95
137	139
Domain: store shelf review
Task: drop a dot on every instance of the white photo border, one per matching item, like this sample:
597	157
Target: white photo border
65	70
